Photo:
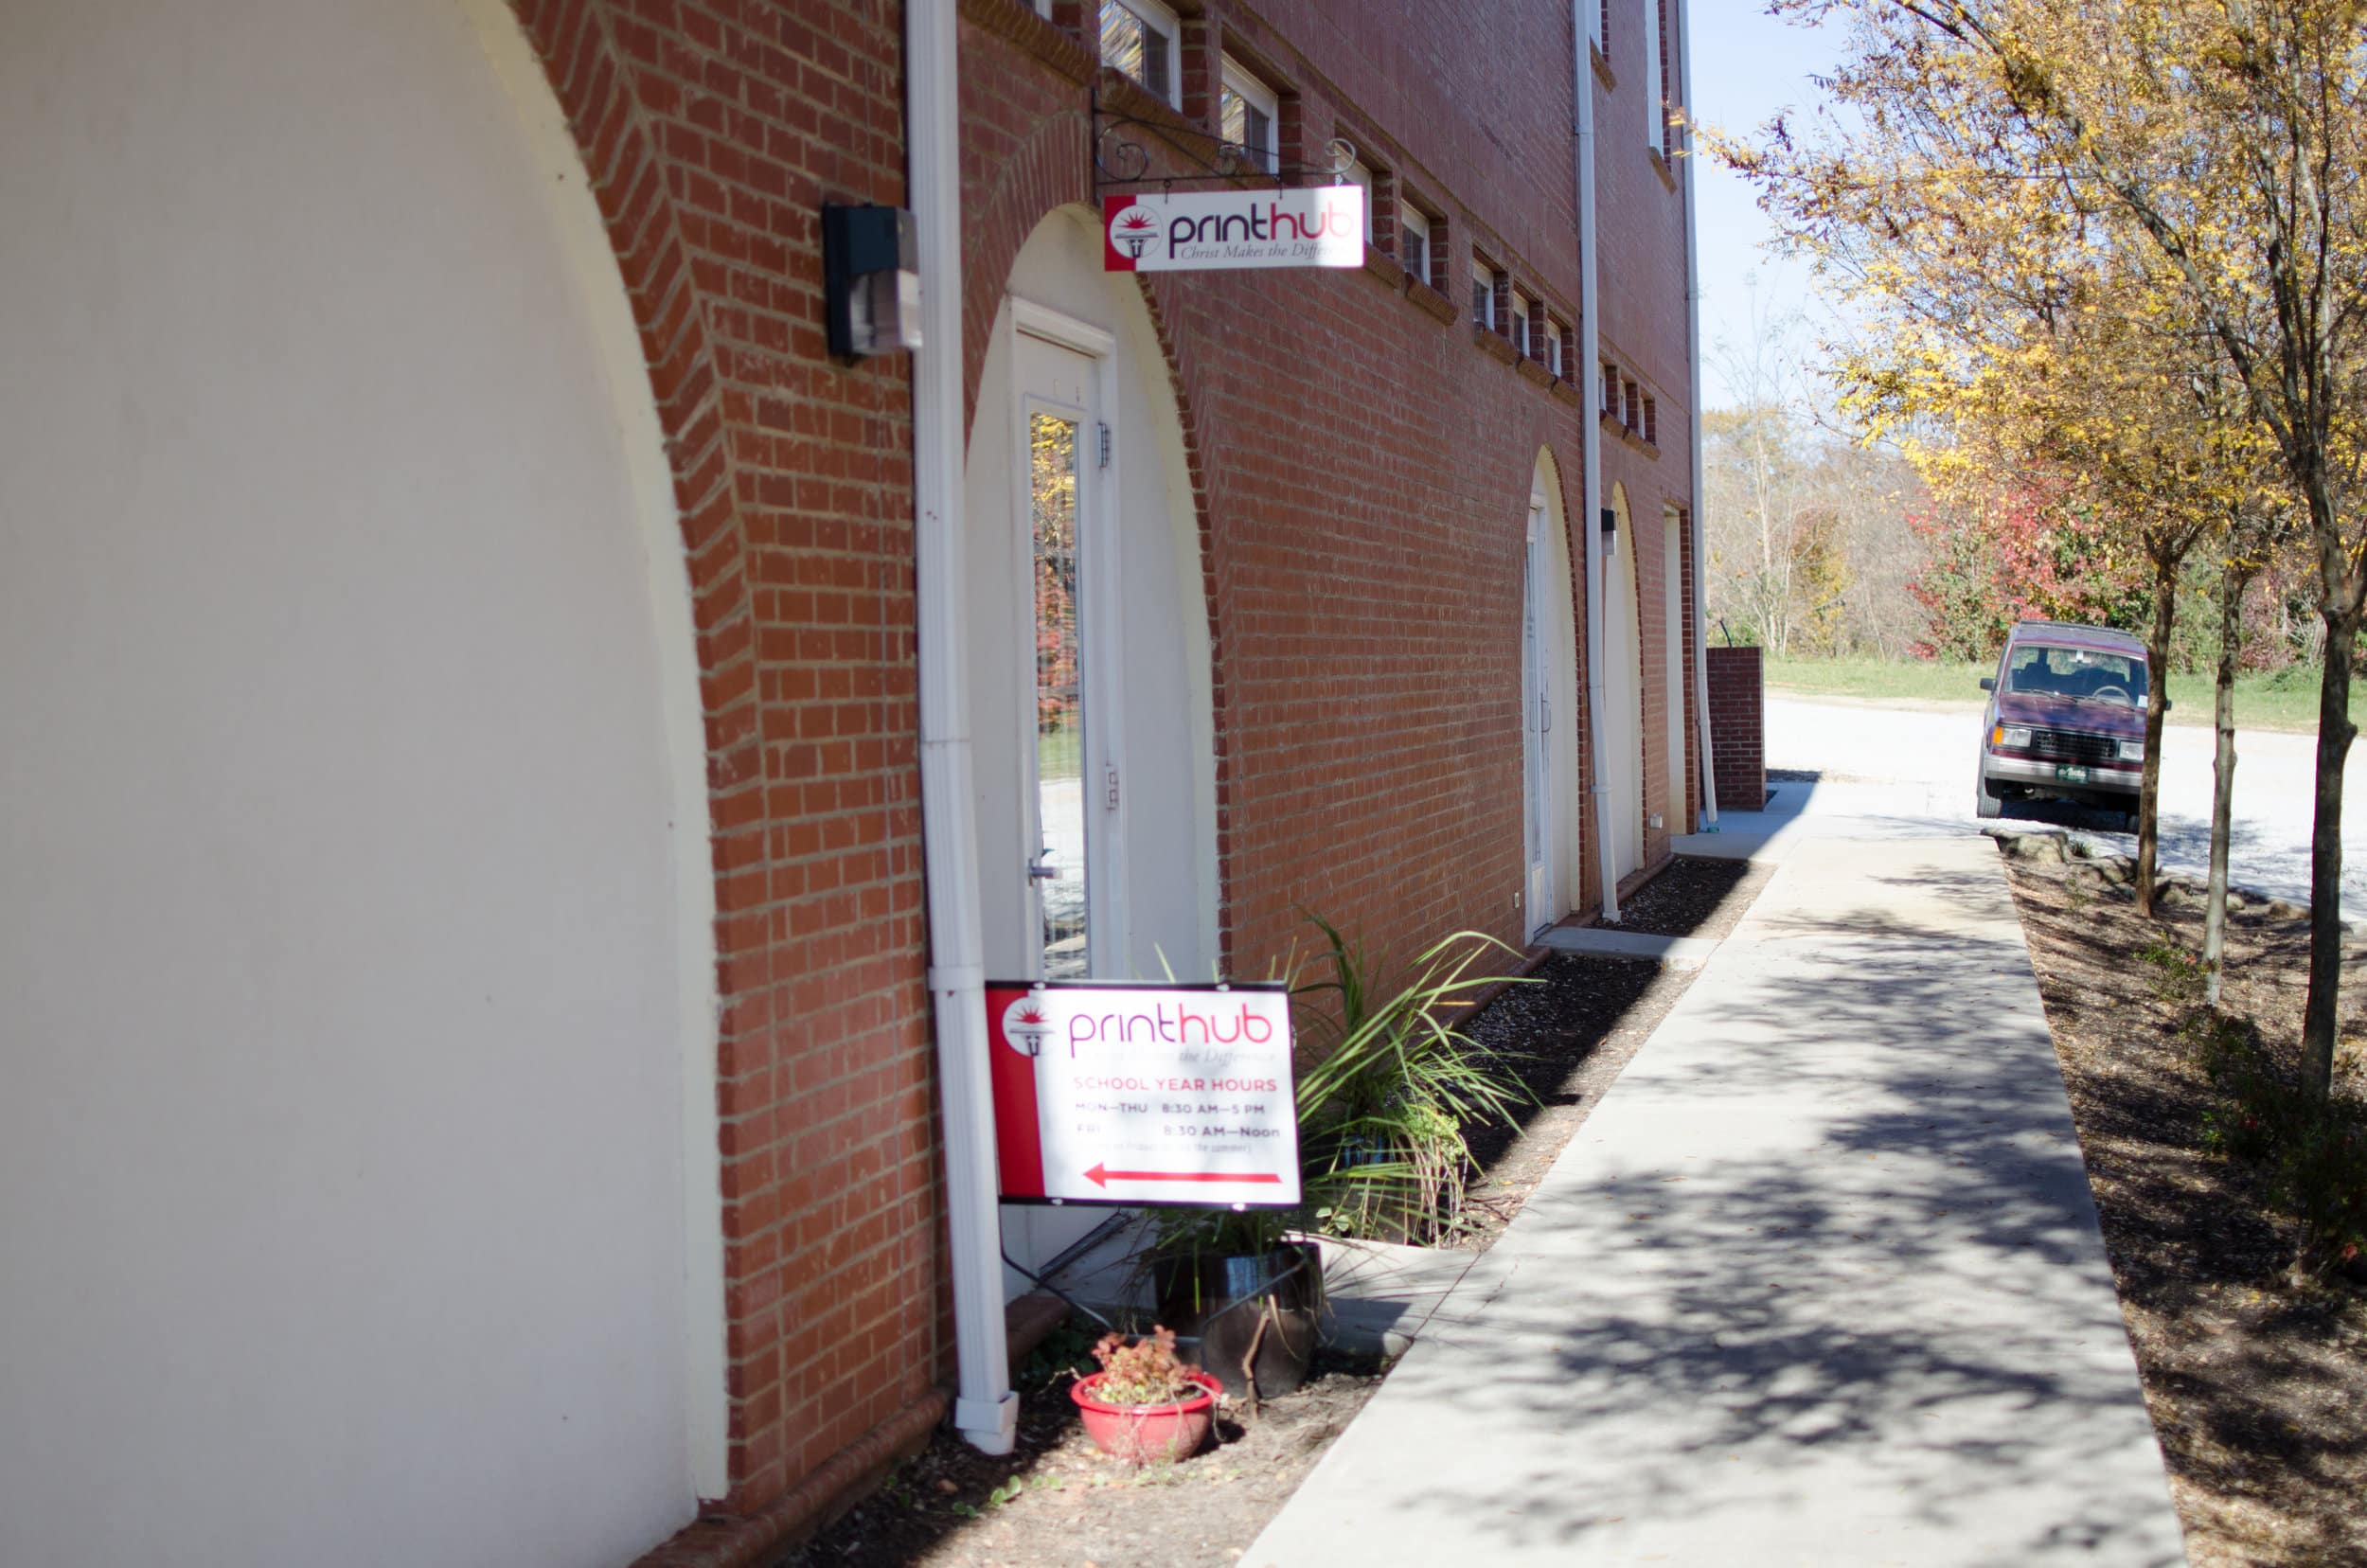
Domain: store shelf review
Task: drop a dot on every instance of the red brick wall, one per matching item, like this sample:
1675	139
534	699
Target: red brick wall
1640	229
1362	538
1736	733
713	134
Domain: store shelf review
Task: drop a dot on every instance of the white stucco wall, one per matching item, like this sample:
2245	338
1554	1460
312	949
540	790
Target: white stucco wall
349	968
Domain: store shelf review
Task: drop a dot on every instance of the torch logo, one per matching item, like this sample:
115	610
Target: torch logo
1026	1027
1131	229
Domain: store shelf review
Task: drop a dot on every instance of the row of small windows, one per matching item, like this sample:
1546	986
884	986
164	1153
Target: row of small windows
1498	306
1628	406
1142	39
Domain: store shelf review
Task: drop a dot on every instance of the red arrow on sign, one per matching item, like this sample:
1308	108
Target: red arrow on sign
1104	1177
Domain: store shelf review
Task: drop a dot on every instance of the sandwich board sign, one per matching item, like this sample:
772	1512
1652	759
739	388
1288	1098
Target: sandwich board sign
1228	231
1144	1095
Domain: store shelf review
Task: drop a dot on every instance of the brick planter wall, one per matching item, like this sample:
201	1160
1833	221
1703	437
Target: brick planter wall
1737	735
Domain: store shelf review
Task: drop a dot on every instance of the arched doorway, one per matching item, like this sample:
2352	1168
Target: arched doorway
1549	689
1091	711
1623	694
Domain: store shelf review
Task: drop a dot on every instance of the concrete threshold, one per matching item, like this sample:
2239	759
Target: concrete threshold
1671	953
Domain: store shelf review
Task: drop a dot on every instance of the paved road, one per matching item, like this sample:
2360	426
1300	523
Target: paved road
1922	746
1818	1282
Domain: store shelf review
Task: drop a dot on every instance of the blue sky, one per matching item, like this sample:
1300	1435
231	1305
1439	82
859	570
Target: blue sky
1747	67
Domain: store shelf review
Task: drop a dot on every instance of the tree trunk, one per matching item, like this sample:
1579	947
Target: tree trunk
2234	577
2157	702
2325	855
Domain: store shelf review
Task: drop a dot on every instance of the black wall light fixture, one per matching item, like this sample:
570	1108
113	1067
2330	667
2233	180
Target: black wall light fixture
871	276
1610	523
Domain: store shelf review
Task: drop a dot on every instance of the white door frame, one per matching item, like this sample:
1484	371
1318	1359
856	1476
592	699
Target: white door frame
1100	674
1537	723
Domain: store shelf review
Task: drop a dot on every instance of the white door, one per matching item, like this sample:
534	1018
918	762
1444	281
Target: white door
1067	752
1673	528
1536	726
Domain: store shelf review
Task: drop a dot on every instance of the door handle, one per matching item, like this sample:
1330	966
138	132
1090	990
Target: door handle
1039	871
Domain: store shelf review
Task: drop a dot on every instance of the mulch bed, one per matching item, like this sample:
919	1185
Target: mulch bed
1057	1501
1691	898
2258	1387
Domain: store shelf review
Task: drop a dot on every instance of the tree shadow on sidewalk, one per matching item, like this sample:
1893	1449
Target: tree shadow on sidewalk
1841	1237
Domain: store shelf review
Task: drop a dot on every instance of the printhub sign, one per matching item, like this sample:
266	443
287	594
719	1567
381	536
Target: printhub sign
1219	230
1135	1094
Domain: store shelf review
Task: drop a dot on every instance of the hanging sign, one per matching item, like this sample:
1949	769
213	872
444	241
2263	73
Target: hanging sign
1135	1094
1220	230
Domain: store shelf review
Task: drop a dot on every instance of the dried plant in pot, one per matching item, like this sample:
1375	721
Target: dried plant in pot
1387	1086
1145	1404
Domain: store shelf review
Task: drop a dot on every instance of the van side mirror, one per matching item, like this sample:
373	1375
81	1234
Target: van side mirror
2166	704
1988	683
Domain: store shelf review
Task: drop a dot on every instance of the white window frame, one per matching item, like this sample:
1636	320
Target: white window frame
1655	112
1151	13
1523	319
1236	79
1412	217
1552	344
1360	173
1483	273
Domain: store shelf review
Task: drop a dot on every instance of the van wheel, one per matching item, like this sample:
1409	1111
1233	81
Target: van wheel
1984	805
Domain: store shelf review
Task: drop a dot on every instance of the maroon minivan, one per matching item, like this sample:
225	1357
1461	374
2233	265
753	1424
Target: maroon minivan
2066	719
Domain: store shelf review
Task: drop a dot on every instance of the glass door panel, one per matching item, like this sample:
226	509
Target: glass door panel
1058	868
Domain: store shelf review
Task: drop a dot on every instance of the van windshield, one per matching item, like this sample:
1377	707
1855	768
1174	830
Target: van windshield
2091	675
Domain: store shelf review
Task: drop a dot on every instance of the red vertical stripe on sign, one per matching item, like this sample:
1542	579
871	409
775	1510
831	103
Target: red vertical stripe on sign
1018	1137
1113	258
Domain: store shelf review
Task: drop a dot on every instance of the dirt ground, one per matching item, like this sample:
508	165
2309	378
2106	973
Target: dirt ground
1057	1503
1058	1500
2258	1389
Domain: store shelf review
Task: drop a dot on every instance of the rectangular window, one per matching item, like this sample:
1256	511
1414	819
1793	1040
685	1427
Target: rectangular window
1482	295
1414	240
1599	25
1138	39
1630	404
1247	113
1610	390
1520	326
1553	346
1360	175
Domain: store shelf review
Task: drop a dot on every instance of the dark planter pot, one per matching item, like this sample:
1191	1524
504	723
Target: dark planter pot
1143	1434
1269	1307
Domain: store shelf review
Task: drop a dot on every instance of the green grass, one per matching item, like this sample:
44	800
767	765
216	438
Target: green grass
1057	754
2282	700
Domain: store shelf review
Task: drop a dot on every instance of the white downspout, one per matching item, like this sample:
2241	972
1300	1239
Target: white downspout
985	1409
1693	324
1590	486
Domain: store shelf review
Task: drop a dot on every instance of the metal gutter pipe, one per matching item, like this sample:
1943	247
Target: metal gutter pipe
984	1410
1693	415
1591	484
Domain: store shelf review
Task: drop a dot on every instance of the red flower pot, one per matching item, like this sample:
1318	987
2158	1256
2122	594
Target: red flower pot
1140	1433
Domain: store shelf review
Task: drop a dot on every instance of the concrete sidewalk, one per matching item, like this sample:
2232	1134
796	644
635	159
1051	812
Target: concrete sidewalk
1819	1281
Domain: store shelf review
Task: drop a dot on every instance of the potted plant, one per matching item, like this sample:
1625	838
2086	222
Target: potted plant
1388	1086
1145	1403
